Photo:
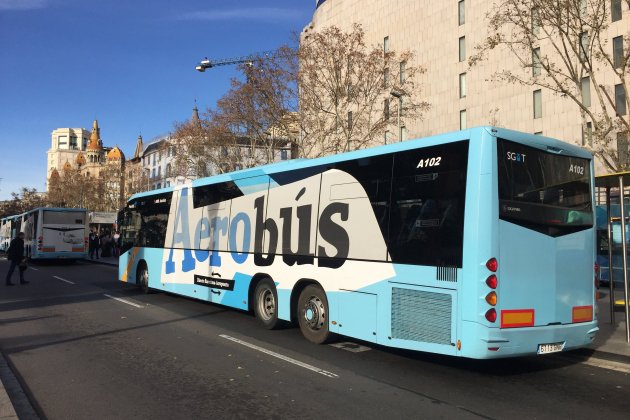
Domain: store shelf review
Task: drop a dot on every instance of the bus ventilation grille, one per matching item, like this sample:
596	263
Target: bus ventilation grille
421	316
446	273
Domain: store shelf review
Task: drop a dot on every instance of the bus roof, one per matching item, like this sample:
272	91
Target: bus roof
474	134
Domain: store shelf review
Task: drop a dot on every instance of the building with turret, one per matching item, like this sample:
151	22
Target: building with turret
71	151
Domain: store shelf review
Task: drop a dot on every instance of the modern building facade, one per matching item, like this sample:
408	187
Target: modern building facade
443	35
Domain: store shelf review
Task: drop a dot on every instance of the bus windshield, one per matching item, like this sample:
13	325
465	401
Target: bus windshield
543	191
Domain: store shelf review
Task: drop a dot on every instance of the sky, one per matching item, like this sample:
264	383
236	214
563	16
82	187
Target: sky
127	63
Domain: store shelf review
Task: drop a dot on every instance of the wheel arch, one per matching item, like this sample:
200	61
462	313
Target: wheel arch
256	278
142	263
295	294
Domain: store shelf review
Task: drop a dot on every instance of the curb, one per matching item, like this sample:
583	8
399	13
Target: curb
13	399
90	261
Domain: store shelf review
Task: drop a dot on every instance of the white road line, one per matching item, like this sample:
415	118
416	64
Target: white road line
62	279
33	268
607	364
124	301
280	356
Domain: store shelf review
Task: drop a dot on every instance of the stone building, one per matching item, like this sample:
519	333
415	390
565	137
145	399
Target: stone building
443	35
71	151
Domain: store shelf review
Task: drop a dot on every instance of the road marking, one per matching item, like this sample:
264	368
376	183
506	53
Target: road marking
124	301
33	268
351	347
607	364
280	356
62	279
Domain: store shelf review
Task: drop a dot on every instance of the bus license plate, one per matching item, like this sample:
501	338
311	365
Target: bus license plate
550	348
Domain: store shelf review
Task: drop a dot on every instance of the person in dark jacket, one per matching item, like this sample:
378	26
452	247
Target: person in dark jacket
15	254
94	244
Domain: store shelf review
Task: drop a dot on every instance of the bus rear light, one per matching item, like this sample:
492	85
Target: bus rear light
492	265
491	298
491	315
582	314
493	348
492	281
515	318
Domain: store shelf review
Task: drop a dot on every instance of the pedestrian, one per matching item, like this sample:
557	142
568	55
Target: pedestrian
116	243
106	245
94	244
15	254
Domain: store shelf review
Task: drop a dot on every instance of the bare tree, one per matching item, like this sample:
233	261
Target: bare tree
24	200
562	46
345	89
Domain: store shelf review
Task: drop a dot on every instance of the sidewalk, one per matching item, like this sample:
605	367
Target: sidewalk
610	341
103	260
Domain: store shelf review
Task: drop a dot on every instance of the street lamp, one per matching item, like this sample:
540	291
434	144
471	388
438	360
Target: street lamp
399	95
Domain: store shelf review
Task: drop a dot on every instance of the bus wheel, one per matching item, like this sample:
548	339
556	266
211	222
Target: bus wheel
266	304
312	313
142	277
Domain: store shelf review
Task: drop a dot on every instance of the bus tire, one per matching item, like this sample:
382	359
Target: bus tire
142	277
266	304
312	314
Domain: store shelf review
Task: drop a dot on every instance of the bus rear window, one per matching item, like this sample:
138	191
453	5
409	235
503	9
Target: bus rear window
543	191
63	218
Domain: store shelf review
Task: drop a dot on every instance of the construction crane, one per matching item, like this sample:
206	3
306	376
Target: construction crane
247	59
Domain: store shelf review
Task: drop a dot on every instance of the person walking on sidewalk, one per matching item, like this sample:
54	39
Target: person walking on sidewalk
15	254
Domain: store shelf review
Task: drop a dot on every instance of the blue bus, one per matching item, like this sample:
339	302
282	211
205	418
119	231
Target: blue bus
478	243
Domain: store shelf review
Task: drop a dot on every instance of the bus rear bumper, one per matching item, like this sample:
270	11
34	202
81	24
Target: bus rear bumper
481	342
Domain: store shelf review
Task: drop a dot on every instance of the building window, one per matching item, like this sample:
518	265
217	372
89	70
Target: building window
538	133
388	136
463	124
386	44
168	170
386	109
620	100
386	77
618	59
462	85
349	120
587	135
63	141
536	68
403	71
586	91
73	142
283	155
583	4
537	104
615	10
461	12
403	133
535	21
153	172
462	48
622	148
584	46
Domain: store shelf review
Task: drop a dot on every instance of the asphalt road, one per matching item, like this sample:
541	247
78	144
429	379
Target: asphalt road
79	353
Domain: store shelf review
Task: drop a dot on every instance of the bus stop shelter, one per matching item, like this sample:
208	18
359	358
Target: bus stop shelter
610	190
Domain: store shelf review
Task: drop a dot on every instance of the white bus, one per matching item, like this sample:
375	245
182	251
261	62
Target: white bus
55	233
